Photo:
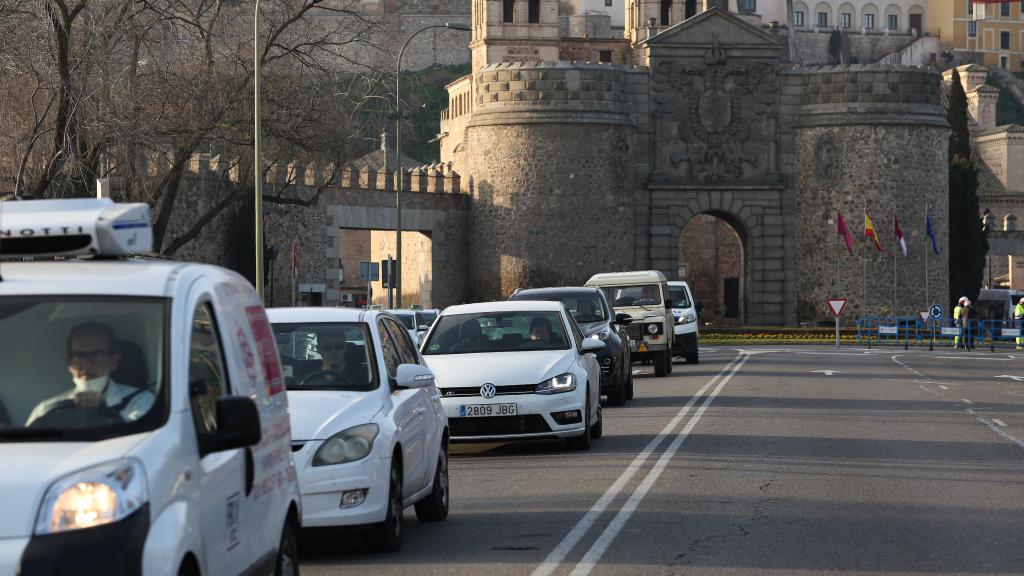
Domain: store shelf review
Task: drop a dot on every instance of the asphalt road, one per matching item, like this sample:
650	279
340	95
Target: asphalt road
780	460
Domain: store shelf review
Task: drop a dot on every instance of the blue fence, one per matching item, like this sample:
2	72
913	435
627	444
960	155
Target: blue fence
909	331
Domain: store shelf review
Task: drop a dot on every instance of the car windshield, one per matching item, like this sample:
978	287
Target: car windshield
81	369
326	356
639	295
497	332
677	294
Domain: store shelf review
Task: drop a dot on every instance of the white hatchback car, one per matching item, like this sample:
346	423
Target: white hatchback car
516	370
369	435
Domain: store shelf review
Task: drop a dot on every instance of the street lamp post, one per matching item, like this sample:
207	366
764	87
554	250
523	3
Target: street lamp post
258	160
398	153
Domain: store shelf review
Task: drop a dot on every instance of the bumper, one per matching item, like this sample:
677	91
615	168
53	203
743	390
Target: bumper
110	550
533	417
322	487
11	550
685	342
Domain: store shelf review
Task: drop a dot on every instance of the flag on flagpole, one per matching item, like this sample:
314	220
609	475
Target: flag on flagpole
869	231
931	233
844	232
899	236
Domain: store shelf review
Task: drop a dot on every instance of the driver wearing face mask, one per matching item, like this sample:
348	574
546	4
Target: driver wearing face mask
91	359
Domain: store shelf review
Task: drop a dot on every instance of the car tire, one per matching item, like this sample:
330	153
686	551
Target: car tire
434	507
387	536
628	380
583	441
617	397
597	430
287	563
662	362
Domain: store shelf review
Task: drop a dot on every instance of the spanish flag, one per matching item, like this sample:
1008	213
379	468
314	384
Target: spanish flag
869	231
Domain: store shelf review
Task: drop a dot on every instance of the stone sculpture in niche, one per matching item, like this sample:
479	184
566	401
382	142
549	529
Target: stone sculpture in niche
826	159
715	116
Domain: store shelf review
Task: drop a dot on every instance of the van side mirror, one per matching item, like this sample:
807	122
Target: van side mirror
668	304
238	426
623	319
699	306
413	376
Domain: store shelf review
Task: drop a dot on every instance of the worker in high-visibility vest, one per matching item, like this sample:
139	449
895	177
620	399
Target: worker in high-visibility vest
960	313
1018	317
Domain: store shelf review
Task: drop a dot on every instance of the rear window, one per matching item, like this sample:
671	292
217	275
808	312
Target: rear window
585	308
497	332
406	320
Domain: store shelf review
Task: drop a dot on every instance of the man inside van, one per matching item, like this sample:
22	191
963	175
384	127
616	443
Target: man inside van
91	358
649	296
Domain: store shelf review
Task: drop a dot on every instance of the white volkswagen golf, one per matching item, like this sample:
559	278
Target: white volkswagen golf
369	435
515	370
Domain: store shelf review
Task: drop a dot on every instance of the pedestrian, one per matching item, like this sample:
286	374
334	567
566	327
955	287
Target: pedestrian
959	315
1018	317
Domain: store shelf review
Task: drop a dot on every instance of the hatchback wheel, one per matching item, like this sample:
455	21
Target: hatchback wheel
387	536
434	507
583	441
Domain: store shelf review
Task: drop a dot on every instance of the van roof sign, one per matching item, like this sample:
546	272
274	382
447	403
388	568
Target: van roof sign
73	227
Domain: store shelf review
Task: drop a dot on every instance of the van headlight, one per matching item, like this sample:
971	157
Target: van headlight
93	497
653	328
562	383
349	445
686	318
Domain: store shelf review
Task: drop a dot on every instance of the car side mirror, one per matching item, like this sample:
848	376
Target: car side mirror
413	376
699	306
668	304
591	345
623	319
238	426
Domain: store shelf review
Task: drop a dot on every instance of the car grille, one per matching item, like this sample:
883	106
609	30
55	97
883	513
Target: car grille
475	390
635	331
498	425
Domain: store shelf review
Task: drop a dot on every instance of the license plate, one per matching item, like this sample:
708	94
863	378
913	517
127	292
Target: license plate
476	410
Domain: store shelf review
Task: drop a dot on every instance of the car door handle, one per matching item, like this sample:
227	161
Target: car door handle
419	411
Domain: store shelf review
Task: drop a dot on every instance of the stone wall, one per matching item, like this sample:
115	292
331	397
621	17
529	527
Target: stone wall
811	47
870	138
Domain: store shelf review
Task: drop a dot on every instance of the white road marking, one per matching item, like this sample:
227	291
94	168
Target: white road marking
999	422
966	357
826	372
555	557
600	546
966	401
943	387
1002	433
1014	378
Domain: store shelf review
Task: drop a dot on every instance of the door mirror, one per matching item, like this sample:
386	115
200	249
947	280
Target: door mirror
623	319
668	304
413	376
699	306
238	426
591	345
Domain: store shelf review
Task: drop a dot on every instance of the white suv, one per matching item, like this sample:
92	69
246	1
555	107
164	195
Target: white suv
685	310
143	417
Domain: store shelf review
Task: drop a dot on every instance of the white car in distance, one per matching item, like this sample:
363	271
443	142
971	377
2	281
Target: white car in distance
516	370
369	436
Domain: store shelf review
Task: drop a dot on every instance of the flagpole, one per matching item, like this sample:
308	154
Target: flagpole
894	263
927	295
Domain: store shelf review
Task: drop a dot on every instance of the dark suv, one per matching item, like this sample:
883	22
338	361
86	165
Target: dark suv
595	317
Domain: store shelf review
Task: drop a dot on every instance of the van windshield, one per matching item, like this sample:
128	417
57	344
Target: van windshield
678	296
497	332
81	368
326	356
638	295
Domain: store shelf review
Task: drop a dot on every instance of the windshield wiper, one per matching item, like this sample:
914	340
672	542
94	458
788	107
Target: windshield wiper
30	433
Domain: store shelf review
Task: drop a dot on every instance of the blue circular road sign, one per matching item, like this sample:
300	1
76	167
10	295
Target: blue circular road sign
935	311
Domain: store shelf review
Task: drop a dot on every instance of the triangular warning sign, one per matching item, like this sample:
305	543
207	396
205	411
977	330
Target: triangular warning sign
837	305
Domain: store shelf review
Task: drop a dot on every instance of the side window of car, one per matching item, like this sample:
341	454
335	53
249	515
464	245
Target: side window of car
576	333
207	378
389	348
406	351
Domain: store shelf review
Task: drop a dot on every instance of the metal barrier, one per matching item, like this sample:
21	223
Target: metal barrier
908	331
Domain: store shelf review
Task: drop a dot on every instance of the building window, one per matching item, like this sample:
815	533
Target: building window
822	19
607	2
1004	62
844	19
798	19
970	8
869	21
605	56
534	11
747	6
1004	40
1004	9
972	28
666	12
507	10
894	22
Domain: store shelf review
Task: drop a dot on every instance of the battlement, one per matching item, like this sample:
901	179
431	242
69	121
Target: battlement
870	93
575	84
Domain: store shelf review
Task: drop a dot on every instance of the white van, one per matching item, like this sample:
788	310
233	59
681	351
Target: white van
143	417
685	310
644	296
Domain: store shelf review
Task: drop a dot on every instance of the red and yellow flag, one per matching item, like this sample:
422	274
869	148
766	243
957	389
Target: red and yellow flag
869	231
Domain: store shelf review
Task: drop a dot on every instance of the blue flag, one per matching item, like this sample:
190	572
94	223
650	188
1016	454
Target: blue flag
931	233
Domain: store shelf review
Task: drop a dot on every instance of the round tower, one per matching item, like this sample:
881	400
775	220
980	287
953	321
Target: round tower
552	174
871	140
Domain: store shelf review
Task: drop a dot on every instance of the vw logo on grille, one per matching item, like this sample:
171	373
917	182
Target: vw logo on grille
488	390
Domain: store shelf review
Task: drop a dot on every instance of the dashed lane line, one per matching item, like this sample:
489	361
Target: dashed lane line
999	422
966	401
555	557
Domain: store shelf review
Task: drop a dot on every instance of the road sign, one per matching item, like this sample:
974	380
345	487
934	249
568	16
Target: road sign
369	271
950	331
837	305
387	269
935	311
887	330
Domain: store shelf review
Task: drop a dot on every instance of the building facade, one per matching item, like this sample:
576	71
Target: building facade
989	33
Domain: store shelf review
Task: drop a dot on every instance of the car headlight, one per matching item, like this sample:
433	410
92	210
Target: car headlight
653	328
557	385
93	497
686	318
602	335
349	445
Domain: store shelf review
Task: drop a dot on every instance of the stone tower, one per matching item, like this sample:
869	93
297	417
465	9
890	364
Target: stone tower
514	31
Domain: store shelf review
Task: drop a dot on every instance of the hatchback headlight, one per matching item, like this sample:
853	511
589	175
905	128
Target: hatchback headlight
349	445
602	335
557	385
92	497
